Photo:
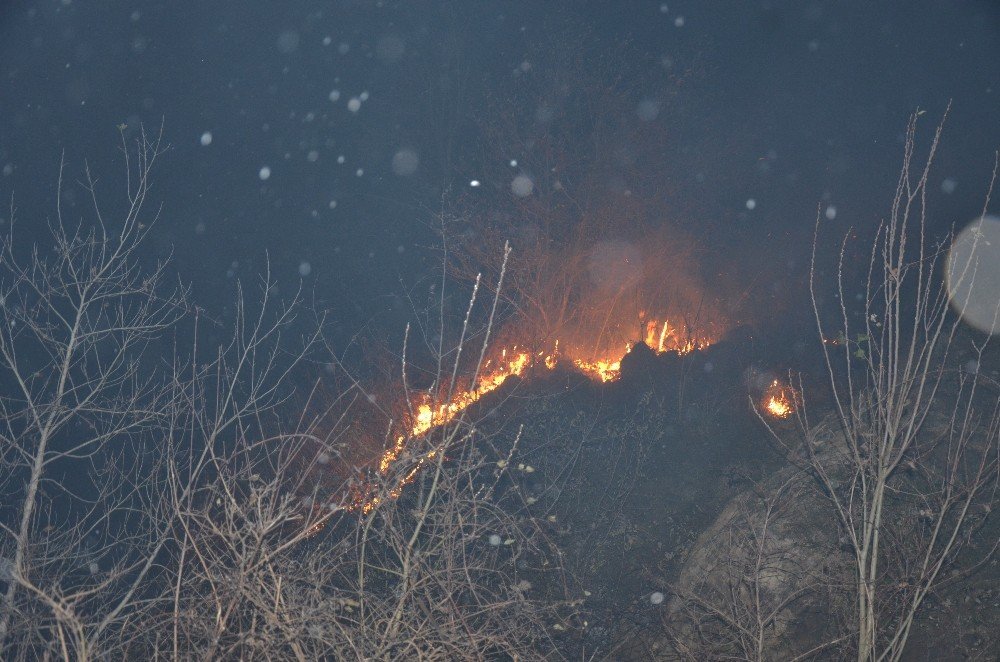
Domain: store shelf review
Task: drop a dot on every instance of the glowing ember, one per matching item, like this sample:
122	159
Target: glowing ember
778	400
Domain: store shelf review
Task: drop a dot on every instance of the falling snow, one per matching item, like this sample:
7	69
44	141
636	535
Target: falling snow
405	162
516	128
522	186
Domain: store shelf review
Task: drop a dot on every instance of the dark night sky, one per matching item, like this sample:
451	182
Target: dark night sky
788	104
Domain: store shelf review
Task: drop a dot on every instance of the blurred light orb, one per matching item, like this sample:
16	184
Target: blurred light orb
6	569
544	114
206	139
972	274
656	598
288	41
522	186
405	162
390	48
615	264
264	174
648	109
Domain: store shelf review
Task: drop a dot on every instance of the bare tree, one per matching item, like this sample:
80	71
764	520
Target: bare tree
761	583
419	559
163	498
914	472
77	318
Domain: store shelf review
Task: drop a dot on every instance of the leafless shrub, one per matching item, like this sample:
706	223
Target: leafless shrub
77	318
916	471
760	581
175	503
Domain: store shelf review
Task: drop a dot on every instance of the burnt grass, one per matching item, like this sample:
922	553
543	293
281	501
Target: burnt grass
625	475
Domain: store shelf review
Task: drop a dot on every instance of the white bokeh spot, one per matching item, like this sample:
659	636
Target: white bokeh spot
972	274
522	186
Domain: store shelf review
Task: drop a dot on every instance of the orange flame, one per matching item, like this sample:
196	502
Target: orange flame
663	338
778	400
429	414
605	370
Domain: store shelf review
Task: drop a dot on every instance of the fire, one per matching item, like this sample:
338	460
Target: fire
778	400
605	370
429	413
663	338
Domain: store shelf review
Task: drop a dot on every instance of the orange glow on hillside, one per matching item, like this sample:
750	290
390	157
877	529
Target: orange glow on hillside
427	413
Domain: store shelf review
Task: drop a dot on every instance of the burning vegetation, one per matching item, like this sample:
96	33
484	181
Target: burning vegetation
599	263
428	412
779	400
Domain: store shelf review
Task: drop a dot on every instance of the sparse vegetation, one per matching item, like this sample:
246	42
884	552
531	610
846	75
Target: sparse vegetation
901	457
159	497
163	498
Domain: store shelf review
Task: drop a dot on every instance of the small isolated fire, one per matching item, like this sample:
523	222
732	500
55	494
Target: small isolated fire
427	414
779	400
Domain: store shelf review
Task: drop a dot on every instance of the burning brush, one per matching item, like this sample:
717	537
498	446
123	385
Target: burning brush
428	413
779	400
